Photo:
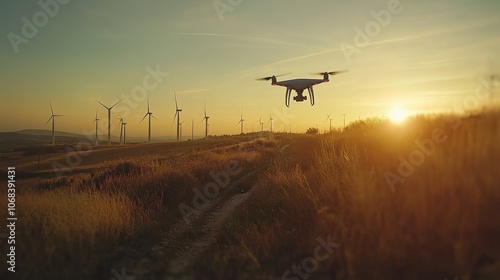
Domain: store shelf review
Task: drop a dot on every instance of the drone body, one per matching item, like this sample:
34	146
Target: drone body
299	85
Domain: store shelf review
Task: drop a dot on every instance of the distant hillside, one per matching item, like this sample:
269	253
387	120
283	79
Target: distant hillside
43	132
10	141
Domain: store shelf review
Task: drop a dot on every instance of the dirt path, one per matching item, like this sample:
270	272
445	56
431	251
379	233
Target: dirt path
176	254
183	243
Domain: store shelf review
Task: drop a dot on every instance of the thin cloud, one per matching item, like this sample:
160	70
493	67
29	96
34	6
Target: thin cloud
245	37
205	34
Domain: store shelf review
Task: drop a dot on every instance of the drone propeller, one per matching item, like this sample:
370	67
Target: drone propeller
330	73
269	78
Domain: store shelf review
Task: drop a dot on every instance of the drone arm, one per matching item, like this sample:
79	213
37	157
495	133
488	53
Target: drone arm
311	95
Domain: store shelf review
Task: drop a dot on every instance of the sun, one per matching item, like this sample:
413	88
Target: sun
398	115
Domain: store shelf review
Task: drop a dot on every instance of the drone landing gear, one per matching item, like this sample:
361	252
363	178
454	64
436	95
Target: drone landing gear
287	97
311	95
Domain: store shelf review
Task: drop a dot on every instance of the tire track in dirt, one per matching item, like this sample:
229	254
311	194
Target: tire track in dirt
213	223
182	245
185	242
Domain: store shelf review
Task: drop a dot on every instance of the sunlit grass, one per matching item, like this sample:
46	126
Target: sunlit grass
442	221
70	228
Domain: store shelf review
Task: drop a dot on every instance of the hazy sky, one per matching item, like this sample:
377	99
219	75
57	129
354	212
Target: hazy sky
426	57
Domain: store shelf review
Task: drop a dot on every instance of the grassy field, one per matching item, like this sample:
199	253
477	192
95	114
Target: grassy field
418	200
437	217
70	228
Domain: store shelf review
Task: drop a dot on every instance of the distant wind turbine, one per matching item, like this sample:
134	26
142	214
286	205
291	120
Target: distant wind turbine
124	132
121	128
328	118
192	130
261	124
271	123
53	117
150	114
96	120
177	115
241	122
109	119
206	120
344	119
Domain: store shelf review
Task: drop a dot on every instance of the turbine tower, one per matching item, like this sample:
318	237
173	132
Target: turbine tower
271	123
261	125
192	130
124	130
344	119
206	120
109	119
241	122
177	115
53	117
150	114
180	132
96	120
328	118
121	128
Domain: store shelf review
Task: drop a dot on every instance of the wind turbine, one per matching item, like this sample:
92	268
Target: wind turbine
177	115
328	118
53	117
121	128
206	120
344	119
241	121
261	125
96	120
192	130
109	119
271	123
150	114
124	129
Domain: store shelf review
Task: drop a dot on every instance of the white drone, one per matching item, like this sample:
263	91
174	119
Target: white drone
299	85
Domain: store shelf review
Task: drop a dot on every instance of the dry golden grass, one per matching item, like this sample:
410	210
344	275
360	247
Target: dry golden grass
69	228
442	222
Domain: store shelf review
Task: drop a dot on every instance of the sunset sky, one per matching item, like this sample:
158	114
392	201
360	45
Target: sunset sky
427	57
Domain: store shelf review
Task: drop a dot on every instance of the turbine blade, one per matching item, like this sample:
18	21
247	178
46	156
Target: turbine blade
115	104
153	116
205	108
175	97
103	105
50	103
49	120
175	115
143	118
148	103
